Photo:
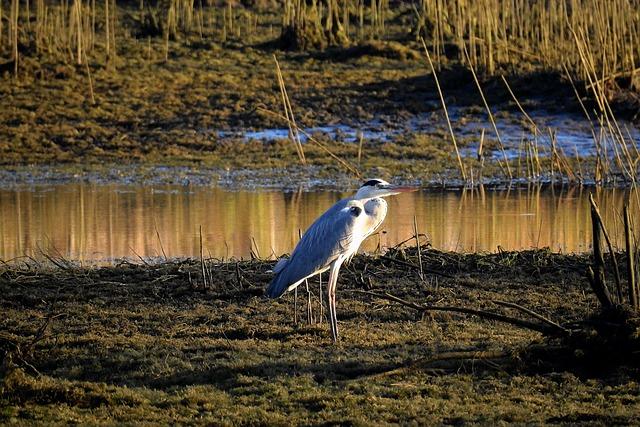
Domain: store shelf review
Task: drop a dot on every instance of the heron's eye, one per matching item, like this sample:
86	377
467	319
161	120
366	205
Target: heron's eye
355	210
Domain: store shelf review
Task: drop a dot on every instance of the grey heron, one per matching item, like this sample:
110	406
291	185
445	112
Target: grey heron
333	239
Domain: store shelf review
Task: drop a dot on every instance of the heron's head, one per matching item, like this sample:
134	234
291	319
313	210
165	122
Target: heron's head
381	188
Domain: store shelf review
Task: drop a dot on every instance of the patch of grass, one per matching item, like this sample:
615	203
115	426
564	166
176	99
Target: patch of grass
135	343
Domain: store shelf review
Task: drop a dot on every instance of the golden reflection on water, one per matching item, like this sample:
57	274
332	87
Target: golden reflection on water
89	223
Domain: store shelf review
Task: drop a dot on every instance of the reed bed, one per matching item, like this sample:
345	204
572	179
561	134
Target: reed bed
594	44
496	34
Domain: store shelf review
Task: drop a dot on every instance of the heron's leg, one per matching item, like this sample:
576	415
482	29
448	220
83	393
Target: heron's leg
331	298
320	297
334	334
309	308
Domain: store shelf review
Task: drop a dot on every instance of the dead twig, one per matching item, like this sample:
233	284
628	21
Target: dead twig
538	327
533	314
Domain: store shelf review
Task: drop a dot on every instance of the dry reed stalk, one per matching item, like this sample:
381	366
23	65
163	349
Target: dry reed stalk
481	157
78	22
360	142
107	29
597	219
513	96
580	174
88	71
350	168
418	249
114	19
631	264
446	113
2	14
164	254
288	112
486	105
15	11
202	262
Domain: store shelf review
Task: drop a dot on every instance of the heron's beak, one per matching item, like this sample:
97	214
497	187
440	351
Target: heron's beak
397	189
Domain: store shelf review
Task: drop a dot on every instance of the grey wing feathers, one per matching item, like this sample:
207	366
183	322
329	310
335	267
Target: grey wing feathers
327	238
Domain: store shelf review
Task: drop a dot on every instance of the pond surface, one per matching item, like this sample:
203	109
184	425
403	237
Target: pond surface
102	223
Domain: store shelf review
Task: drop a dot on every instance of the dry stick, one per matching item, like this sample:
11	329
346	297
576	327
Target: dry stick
446	113
486	106
538	327
616	271
446	356
631	265
310	138
533	314
415	230
139	257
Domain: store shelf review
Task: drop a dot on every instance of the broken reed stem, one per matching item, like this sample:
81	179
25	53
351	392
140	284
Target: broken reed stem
486	106
513	96
446	113
288	111
88	70
596	274
616	271
352	169
204	270
417	235
164	254
360	142
631	264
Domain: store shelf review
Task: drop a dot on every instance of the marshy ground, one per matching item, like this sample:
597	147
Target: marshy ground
169	101
139	343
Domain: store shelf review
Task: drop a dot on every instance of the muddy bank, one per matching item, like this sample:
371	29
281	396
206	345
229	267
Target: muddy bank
196	108
133	343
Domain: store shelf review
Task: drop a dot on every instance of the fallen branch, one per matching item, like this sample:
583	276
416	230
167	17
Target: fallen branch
543	328
533	314
473	355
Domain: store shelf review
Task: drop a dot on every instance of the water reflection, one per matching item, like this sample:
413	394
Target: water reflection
88	222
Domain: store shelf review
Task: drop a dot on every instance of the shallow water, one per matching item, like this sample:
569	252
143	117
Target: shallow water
573	133
101	223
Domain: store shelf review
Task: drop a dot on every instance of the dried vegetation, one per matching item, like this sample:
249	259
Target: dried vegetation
193	341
